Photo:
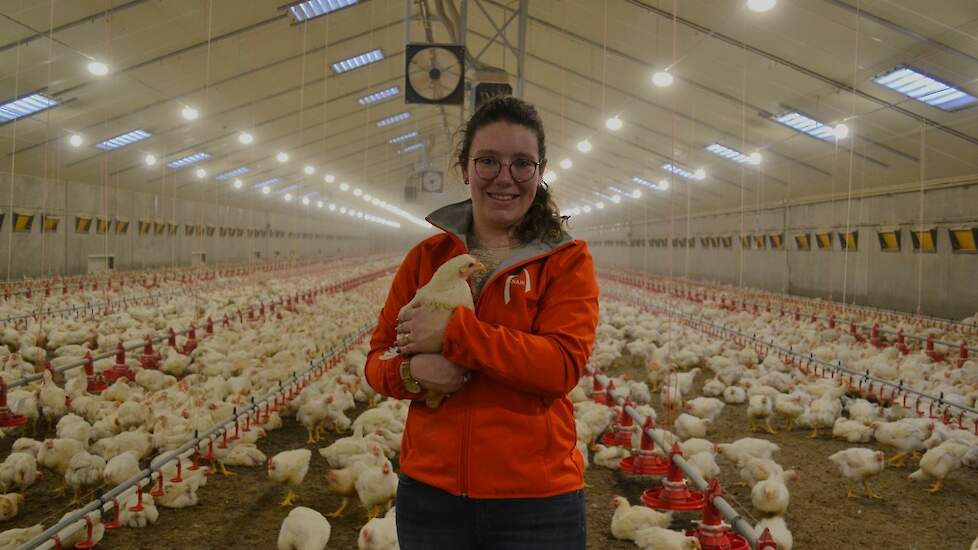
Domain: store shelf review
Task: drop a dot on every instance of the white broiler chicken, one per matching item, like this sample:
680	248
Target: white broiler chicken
85	470
906	436
687	426
98	532
18	471
739	451
628	520
853	431
56	454
376	487
770	496
140	518
734	395
609	457
708	408
754	470
121	468
790	406
244	454
289	467
779	531
304	529
52	399
342	481
10	505
938	462
379	533
760	407
822	413
15	538
705	463
858	465
657	538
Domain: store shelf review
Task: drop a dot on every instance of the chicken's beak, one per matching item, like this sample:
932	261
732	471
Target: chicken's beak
479	268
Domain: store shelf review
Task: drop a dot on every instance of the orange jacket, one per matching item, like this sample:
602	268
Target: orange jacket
509	432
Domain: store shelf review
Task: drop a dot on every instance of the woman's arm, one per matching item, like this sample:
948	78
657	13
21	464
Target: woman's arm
550	360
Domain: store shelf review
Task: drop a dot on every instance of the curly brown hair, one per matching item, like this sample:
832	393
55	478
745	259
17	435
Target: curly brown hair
542	221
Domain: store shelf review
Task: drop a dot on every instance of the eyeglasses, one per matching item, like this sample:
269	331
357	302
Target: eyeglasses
521	170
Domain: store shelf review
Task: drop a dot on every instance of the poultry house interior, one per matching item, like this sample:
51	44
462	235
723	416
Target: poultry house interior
206	208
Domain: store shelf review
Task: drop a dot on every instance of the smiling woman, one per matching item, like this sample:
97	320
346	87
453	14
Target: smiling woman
507	365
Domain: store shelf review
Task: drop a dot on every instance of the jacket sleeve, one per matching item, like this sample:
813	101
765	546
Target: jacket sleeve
384	375
549	361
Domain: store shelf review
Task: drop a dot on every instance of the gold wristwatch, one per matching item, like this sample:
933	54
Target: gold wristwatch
410	384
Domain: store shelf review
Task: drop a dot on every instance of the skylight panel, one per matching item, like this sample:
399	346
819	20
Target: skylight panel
379	96
926	89
188	160
25	106
400	117
358	61
403	137
806	125
265	183
645	183
728	153
311	9
680	171
412	147
125	139
240	171
287	188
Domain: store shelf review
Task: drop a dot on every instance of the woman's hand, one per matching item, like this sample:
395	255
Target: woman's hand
436	373
421	329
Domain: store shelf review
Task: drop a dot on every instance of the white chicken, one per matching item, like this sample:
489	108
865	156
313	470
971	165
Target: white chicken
770	496
15	538
858	465
906	436
779	531
687	426
708	408
289	467
376	487
379	533
121	468
734	395
853	431
18	471
657	538
304	529
609	457
705	463
760	407
85	470
790	407
140	518
938	462
739	451
10	505
628	520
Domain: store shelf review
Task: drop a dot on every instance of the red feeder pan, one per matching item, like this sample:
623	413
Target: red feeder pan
95	383
646	462
191	343
150	359
89	542
711	533
599	394
766	542
621	431
674	493
7	418
119	370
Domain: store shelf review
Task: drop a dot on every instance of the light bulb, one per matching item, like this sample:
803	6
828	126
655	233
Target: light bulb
189	113
636	194
587	209
98	68
616	199
305	201
754	158
332	207
245	138
663	185
614	123
599	206
76	140
584	146
282	156
201	173
344	186
150	159
761	5
360	215
266	190
841	131
342	210
700	174
566	164
662	79
550	176
357	192
351	212
288	197
237	183
319	204
329	178
309	170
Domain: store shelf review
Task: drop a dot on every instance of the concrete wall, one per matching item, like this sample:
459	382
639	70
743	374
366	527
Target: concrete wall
947	282
65	252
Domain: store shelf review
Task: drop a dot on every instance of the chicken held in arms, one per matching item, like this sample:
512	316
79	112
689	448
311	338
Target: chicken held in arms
447	289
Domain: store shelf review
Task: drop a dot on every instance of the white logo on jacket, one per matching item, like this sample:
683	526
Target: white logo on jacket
514	280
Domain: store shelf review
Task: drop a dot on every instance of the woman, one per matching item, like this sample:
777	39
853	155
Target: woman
496	464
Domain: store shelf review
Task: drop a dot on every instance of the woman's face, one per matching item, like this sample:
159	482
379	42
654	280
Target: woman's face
501	202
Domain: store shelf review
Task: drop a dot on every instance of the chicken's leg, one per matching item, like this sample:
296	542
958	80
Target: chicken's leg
289	499
339	511
767	425
62	489
76	500
789	425
310	440
814	433
870	492
222	469
897	460
753	425
849	492
937	486
373	512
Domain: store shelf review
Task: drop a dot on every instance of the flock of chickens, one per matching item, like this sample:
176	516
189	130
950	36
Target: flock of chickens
762	389
103	439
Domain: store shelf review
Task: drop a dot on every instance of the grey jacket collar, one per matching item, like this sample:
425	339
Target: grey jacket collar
456	219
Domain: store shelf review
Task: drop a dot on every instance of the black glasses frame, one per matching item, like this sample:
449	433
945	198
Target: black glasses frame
509	165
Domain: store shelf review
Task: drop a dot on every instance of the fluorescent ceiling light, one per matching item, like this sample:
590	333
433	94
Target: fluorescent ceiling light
926	89
728	153
584	146
403	137
412	147
680	171
287	188
189	113
393	119
188	160
623	193
266	183
646	183
379	96
806	125
311	9
125	139
240	171
358	61
25	106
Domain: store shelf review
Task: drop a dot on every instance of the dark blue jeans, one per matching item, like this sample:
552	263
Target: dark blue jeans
431	519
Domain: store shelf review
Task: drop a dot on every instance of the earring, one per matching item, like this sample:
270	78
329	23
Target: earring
466	182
